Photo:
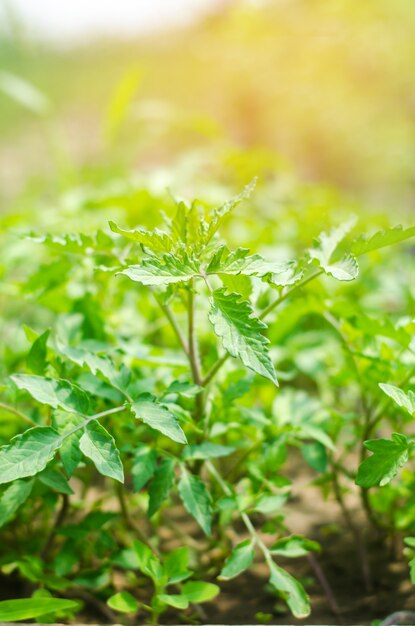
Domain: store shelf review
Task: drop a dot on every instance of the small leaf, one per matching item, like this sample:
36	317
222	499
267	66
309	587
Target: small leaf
270	504
29	453
12	498
155	240
30	608
240	559
294	546
402	399
144	466
198	592
291	590
234	322
158	417
147	561
160	485
175	565
123	602
196	500
55	480
344	269
97	444
387	459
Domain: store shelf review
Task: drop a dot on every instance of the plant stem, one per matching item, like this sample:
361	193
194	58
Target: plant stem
11	409
176	328
193	348
60	518
322	579
129	521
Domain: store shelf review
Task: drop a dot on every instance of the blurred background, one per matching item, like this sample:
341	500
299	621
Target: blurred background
207	90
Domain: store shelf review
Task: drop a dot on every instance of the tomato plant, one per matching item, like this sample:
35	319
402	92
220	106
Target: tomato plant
174	378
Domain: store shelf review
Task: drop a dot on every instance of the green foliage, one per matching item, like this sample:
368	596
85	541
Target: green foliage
147	448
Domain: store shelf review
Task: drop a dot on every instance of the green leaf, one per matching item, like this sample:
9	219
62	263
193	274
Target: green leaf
158	417
160	485
98	445
123	602
198	592
177	601
238	262
206	450
270	504
156	272
196	500
56	393
316	455
147	561
30	608
387	459
291	589
234	322
381	239
402	399
155	240
240	559
54	479
294	546
220	213
29	453
144	466
12	498
69	452
175	565
326	245
36	359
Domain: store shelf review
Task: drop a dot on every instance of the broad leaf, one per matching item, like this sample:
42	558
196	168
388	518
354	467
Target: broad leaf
30	608
294	546
344	269
291	589
234	322
144	466
238	262
177	601
197	592
238	561
196	500
161	485
29	453
158	417
206	450
387	459
97	444
36	359
175	565
402	399
12	498
55	393
54	479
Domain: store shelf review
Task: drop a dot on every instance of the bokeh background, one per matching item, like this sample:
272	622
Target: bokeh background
93	91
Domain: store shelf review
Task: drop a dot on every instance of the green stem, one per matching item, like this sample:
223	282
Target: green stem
193	348
91	418
11	409
177	331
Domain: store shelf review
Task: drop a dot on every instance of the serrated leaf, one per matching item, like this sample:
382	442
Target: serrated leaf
381	239
220	213
402	399
98	445
69	452
160	485
160	418
155	240
74	243
206	450
234	322
345	269
291	589
387	459
197	500
143	467
240	559
30	608
55	393
29	453
326	245
12	498
159	272
198	592
239	262
123	602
